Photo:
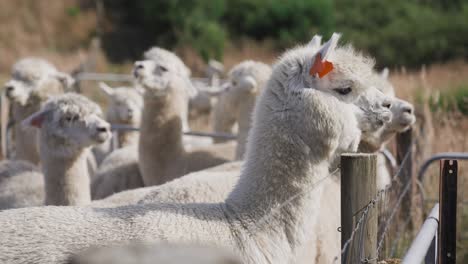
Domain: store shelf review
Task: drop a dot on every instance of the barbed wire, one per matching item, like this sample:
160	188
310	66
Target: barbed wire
392	214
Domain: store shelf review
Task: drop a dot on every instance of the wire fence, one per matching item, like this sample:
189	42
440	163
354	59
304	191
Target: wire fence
388	202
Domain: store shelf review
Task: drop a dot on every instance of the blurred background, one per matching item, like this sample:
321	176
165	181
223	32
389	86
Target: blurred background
424	43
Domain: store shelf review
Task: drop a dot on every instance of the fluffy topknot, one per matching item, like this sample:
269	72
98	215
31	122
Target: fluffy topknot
159	54
72	103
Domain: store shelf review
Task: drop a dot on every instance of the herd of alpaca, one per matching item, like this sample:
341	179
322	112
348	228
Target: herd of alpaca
257	199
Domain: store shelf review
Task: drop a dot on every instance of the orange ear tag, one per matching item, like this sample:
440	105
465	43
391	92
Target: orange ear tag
320	67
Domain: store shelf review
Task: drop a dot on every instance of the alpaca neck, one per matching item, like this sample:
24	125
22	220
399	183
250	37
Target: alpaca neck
244	120
66	179
279	190
128	138
160	145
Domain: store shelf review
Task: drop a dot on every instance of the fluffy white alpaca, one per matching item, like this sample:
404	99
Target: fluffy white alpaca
403	119
247	80
162	156
178	66
68	125
327	237
33	81
125	105
156	253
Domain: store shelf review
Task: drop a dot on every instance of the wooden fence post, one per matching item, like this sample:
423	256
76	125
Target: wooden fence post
358	188
448	212
404	145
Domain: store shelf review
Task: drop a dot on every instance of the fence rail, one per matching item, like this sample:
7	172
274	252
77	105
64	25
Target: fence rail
423	246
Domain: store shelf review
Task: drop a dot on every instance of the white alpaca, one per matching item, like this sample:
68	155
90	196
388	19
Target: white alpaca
403	119
156	253
68	125
296	131
125	105
236	104
162	156
33	81
327	237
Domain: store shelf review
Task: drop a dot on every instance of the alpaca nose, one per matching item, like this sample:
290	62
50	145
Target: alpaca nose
9	89
387	104
103	128
138	66
407	109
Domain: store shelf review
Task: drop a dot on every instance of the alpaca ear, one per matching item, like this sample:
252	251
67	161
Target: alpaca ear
189	88
36	119
109	91
329	47
384	74
65	79
315	42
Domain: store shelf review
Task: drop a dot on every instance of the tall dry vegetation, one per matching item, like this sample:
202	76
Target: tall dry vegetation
55	30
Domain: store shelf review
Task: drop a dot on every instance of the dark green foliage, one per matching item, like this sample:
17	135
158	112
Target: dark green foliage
406	32
398	32
287	22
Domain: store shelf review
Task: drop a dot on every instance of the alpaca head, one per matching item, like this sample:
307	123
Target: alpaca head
34	78
403	116
159	77
247	79
69	123
338	71
125	104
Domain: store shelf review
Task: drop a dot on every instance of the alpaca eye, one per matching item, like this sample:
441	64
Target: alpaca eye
68	118
343	91
234	83
163	69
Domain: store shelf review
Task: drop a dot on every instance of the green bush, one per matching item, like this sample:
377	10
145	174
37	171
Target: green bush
405	32
287	22
398	32
452	100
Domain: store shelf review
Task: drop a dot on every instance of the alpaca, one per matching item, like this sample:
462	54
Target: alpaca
68	125
296	130
155	253
161	55
327	238
237	102
33	81
125	105
162	156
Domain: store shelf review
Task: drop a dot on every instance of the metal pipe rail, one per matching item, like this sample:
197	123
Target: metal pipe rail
119	127
424	239
110	77
441	156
